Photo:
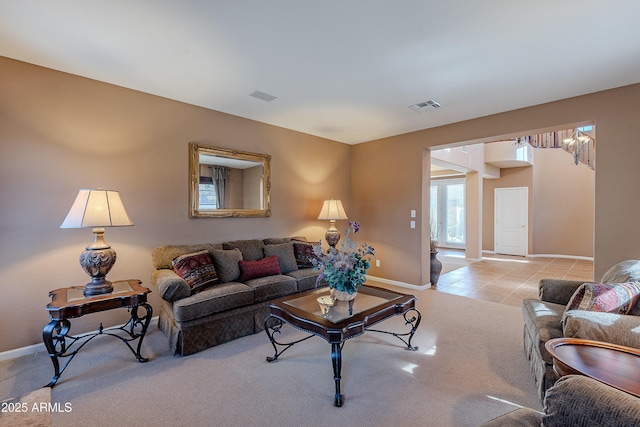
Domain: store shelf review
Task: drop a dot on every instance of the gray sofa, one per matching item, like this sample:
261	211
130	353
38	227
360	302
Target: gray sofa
577	401
544	320
229	309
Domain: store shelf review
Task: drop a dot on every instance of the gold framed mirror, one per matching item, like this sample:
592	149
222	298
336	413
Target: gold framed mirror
228	183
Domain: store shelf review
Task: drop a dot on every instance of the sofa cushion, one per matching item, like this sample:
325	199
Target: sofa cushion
542	321
196	269
226	264
270	287
224	296
576	400
303	253
608	327
286	257
251	249
618	298
268	266
305	278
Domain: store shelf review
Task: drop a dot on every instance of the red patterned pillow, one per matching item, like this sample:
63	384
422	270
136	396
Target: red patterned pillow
267	266
617	298
196	269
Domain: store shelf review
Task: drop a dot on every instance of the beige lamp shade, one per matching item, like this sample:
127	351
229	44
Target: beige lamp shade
97	208
332	210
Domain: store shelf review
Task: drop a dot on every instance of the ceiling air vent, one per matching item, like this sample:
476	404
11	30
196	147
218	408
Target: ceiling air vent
263	96
426	105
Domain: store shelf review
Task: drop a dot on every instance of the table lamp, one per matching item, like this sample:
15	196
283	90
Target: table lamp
97	209
332	210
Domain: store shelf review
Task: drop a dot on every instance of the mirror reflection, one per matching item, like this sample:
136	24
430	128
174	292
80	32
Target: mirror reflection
228	183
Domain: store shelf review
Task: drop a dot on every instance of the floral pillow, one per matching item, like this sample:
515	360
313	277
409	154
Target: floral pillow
196	269
303	253
618	298
253	269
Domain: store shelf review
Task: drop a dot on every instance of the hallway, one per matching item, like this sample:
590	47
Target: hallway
505	279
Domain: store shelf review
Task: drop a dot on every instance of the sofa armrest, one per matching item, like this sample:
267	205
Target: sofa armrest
171	286
558	291
608	327
576	400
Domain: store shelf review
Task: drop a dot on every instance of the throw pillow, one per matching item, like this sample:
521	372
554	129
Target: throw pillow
286	257
226	263
617	298
253	269
303	253
196	269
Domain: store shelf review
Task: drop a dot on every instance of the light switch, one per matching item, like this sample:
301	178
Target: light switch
413	213
412	224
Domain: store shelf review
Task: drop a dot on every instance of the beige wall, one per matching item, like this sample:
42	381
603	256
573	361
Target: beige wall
60	133
563	198
379	166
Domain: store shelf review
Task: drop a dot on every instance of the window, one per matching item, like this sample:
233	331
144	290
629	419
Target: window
207	198
448	212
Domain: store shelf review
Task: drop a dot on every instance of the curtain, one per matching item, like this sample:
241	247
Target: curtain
219	175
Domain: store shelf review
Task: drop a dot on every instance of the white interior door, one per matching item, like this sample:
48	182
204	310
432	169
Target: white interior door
511	221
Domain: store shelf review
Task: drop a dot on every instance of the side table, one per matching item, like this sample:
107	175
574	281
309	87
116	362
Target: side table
614	365
67	303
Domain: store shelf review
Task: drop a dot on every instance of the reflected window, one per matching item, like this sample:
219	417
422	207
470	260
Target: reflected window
207	195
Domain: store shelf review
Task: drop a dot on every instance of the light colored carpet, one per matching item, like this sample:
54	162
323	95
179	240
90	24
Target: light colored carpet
470	368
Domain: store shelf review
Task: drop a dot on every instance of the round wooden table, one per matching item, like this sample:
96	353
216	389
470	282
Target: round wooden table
614	365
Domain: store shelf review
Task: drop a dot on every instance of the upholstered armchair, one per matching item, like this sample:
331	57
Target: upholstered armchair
550	316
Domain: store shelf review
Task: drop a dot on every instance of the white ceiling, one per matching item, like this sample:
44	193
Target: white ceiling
345	70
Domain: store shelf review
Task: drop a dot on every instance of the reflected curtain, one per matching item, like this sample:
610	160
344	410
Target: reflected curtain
219	175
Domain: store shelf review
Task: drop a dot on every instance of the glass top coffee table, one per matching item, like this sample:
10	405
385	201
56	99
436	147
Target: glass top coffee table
336	322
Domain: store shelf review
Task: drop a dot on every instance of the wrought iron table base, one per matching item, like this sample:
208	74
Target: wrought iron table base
336	347
55	336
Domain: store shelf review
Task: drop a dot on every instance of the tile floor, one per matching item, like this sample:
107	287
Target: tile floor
505	279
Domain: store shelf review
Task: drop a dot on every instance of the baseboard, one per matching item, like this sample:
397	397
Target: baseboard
401	284
36	348
586	258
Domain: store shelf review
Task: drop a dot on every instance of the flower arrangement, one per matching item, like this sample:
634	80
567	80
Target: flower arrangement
345	270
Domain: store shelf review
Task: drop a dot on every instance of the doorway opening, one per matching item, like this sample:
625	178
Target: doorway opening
447	210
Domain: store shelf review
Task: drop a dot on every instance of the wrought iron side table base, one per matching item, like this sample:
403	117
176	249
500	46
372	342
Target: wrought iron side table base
59	343
271	328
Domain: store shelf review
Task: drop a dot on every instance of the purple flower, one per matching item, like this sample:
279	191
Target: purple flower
344	269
